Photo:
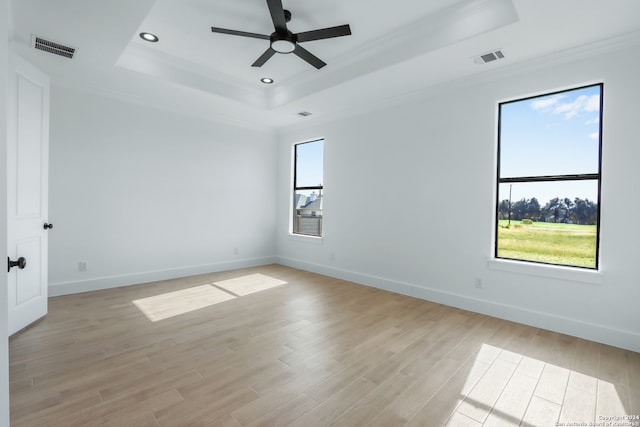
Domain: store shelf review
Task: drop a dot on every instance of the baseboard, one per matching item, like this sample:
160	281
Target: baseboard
616	337
66	288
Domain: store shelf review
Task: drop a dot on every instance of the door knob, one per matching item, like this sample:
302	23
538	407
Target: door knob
20	263
48	226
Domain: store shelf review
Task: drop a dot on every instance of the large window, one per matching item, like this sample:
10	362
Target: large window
308	188
549	164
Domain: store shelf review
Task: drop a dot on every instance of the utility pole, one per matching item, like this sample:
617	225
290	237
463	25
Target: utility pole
510	186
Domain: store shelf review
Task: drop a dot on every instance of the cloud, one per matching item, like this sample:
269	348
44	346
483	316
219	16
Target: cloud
594	135
593	121
544	104
581	104
593	103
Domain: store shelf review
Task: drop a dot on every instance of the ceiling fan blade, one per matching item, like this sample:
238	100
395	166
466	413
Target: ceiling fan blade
325	33
309	57
264	58
239	33
277	15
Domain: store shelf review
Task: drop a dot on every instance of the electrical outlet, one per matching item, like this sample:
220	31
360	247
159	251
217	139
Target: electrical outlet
83	265
478	283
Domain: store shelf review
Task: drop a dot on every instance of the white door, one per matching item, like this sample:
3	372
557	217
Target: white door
27	192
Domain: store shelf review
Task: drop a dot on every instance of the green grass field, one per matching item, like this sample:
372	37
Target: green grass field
566	244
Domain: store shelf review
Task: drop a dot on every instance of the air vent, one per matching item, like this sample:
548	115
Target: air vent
304	113
52	47
488	57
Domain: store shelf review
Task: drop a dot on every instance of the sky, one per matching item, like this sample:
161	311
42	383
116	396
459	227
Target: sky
555	134
309	164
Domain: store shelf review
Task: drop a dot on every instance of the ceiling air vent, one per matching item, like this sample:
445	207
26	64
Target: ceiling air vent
488	57
304	113
52	47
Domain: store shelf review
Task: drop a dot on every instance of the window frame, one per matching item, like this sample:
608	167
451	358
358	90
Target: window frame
305	188
551	178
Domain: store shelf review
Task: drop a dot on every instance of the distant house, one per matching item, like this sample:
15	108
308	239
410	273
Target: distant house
300	201
309	206
308	217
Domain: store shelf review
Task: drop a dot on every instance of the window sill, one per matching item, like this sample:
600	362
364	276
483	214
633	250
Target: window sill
593	277
305	238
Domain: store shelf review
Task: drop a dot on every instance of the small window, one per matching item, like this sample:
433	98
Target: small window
549	174
308	188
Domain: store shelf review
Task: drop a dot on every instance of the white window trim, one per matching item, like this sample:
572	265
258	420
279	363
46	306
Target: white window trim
574	274
317	240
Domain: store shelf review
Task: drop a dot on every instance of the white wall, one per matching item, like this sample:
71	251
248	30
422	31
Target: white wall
411	162
143	194
4	352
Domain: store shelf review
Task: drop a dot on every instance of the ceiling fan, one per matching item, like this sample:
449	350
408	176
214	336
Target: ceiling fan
284	41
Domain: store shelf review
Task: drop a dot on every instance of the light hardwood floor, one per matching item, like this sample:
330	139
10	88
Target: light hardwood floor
275	346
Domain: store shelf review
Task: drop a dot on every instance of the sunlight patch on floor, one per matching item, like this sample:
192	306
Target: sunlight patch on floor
172	304
506	388
252	283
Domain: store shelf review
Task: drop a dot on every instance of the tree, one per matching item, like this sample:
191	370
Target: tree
568	205
584	211
577	211
555	210
524	208
503	209
592	212
533	209
519	209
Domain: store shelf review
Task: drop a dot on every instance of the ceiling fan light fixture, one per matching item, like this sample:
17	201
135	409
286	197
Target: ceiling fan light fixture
283	43
283	46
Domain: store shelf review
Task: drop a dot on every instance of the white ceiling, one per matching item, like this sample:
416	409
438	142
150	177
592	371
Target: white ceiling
396	48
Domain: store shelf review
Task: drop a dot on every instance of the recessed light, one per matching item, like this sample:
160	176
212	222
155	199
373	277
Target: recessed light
266	80
149	37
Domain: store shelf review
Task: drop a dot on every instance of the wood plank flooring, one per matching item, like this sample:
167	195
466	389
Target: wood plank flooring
275	346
